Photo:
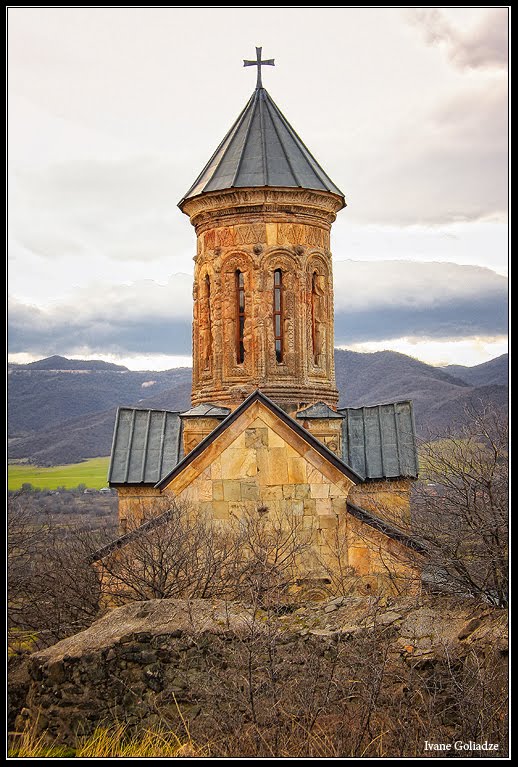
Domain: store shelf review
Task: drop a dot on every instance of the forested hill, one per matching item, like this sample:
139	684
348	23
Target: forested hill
62	411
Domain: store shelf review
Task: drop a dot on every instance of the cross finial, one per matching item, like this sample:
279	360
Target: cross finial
259	63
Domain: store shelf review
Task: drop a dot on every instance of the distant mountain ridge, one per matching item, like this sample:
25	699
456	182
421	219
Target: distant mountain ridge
58	363
495	371
56	417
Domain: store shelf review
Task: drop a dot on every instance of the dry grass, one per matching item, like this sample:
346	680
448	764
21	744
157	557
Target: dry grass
106	742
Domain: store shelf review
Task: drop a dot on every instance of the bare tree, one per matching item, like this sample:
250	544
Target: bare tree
175	553
275	546
52	590
25	537
460	508
179	552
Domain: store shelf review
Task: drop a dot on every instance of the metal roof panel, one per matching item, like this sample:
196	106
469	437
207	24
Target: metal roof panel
146	445
261	149
206	409
379	441
318	410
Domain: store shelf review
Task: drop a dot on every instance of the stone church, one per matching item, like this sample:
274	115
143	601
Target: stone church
265	430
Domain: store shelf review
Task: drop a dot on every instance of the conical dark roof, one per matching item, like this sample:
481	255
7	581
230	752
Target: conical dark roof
261	149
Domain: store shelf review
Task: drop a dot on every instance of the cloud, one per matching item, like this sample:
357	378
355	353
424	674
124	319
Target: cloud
483	46
122	208
447	166
33	330
380	300
411	285
391	299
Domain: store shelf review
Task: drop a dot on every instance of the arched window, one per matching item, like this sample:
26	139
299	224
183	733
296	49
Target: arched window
207	300
318	317
240	317
206	327
313	316
278	314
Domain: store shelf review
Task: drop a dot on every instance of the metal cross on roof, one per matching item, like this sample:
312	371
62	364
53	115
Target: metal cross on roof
259	63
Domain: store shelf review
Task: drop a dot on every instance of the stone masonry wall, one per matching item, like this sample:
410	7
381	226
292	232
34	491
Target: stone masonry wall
208	666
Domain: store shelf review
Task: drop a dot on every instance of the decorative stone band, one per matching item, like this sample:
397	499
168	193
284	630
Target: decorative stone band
313	206
291	396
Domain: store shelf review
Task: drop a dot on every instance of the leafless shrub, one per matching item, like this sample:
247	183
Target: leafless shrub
460	508
181	553
52	590
333	694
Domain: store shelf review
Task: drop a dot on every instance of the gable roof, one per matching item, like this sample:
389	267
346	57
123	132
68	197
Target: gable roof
258	396
146	443
379	441
261	149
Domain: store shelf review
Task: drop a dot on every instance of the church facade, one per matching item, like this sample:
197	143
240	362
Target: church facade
265	433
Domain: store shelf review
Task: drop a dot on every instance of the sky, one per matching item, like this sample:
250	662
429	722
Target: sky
113	112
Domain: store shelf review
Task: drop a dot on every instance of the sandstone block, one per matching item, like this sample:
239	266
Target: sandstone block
296	470
271	493
297	507
220	510
236	509
310	507
261	458
302	491
277	466
339	505
238	463
250	491
274	440
320	490
314	475
231	490
203	490
217	490
327	522
323	506
257	437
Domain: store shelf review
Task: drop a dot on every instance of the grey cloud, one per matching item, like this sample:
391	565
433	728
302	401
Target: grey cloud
483	46
464	319
361	285
397	299
453	167
46	333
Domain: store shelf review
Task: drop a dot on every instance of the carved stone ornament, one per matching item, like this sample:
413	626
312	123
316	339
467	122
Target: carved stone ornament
248	334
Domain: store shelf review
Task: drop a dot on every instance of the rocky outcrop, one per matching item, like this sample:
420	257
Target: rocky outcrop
19	682
217	667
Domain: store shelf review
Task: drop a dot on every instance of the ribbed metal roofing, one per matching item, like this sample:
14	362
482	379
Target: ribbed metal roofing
258	396
261	149
318	410
208	410
379	441
146	445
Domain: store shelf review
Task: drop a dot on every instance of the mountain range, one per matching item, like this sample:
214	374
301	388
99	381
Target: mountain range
63	411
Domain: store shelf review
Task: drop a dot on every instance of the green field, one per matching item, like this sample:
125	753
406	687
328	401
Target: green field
92	473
